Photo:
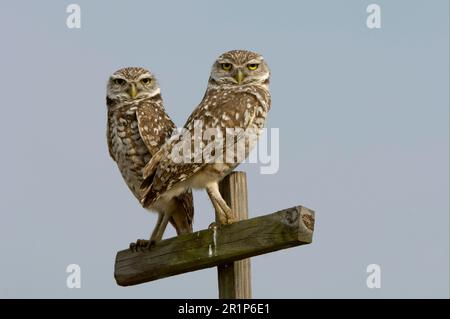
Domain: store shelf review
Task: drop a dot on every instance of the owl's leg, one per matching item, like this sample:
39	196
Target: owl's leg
220	215
160	227
223	211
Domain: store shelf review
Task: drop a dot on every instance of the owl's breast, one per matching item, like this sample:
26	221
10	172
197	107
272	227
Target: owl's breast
128	149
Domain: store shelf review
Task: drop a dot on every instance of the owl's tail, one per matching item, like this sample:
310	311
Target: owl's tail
148	196
182	216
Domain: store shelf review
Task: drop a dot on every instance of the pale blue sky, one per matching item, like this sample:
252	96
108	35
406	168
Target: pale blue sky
364	129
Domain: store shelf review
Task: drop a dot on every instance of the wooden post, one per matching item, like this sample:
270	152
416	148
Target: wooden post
206	248
235	278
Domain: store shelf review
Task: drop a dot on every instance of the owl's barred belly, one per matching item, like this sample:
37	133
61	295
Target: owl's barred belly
129	151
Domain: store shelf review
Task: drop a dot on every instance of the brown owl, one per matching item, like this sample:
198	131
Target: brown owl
137	126
237	97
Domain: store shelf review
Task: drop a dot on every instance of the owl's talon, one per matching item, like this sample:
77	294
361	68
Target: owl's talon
150	244
139	245
230	220
213	225
223	220
142	243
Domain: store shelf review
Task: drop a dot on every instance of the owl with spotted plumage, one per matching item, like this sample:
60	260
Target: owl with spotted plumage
137	126
237	97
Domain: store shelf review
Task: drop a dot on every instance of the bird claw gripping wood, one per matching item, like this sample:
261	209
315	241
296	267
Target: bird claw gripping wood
141	245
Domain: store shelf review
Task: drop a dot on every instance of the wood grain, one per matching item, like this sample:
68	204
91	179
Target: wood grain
234	278
208	248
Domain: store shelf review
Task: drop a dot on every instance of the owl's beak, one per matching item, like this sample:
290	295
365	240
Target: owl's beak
133	91
239	76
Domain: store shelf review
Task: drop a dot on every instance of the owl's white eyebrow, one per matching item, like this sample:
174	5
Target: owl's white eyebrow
254	61
144	76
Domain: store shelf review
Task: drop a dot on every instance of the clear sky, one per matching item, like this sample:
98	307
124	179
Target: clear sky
363	116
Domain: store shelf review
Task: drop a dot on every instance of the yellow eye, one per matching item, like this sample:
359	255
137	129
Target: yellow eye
119	81
146	80
226	66
252	66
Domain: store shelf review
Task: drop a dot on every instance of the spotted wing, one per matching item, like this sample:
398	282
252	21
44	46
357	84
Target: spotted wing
155	126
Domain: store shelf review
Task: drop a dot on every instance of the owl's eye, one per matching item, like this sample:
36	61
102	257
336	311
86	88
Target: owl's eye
252	66
226	66
119	81
146	80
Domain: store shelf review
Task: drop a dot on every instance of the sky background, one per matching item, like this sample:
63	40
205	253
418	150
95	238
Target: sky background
364	141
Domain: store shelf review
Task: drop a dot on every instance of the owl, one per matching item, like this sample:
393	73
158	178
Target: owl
237	97
137	126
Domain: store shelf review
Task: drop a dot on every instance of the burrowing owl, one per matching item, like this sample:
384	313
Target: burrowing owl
137	126
237	96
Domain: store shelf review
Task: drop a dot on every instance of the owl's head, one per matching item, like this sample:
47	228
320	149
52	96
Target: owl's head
240	67
132	83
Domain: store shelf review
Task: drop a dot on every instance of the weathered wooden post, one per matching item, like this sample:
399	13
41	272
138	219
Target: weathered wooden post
235	278
227	247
